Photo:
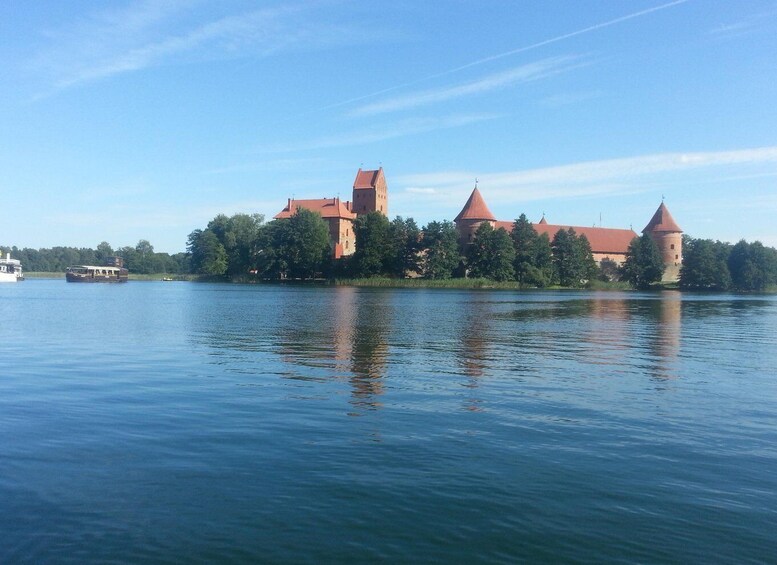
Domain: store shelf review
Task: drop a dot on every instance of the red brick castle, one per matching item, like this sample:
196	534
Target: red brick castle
370	194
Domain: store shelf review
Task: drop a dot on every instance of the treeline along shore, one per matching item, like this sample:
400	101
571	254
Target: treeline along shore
140	259
245	248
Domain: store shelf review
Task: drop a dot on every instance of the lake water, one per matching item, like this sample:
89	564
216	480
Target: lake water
177	422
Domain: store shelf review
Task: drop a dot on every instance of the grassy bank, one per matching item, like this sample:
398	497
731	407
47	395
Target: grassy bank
425	283
43	275
160	276
462	283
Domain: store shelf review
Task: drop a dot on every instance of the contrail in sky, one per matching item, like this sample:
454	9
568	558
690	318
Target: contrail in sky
514	51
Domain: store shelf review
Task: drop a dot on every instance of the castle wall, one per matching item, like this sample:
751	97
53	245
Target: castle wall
617	258
364	200
341	232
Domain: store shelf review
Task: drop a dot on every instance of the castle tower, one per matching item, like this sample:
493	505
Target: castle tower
669	238
370	192
474	213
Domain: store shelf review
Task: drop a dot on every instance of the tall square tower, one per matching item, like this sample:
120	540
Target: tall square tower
370	192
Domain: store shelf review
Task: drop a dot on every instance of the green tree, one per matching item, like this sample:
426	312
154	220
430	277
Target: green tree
524	238
271	257
491	254
129	254
60	258
179	263
103	251
543	259
373	255
567	263
309	245
405	238
440	255
219	226
208	256
705	265
65	256
573	260
590	270
643	265
87	256
752	266
294	248
240	237
609	270
144	252
533	255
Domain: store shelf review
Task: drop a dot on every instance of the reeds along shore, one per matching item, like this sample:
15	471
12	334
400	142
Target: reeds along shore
461	283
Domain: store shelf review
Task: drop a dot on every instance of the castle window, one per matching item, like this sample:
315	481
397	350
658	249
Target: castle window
671	246
676	257
346	245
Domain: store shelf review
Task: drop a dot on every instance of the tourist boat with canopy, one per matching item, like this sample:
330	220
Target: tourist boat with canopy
113	271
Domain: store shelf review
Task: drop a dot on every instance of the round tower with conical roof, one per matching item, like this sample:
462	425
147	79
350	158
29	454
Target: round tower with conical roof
474	213
669	239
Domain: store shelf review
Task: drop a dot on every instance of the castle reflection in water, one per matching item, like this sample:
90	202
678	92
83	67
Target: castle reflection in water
369	337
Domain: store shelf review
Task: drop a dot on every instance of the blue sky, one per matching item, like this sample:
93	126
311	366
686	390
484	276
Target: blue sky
122	121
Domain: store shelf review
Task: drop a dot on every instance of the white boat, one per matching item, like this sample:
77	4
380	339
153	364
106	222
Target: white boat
10	269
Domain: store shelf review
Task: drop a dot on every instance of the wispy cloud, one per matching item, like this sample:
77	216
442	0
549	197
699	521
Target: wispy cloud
524	73
511	52
149	34
566	99
612	176
389	131
745	25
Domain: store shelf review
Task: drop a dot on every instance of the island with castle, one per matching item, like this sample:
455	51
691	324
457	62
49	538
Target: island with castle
353	241
370	194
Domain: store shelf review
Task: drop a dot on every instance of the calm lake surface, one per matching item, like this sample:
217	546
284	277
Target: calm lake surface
177	422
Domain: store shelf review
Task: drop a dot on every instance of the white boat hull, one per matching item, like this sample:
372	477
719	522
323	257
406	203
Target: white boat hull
8	277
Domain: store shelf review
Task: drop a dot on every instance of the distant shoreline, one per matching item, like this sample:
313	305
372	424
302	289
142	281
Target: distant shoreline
380	282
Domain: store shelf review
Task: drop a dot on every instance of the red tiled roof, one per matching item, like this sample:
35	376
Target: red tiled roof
602	240
543	221
662	221
367	179
475	209
327	207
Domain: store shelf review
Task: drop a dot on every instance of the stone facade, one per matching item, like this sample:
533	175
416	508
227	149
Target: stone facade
370	194
606	243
